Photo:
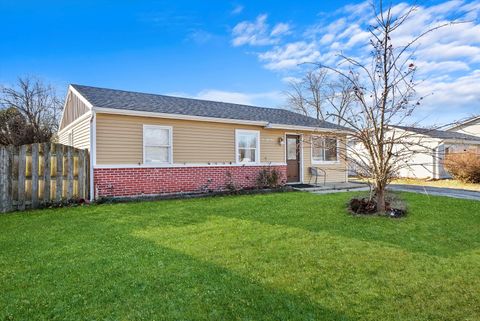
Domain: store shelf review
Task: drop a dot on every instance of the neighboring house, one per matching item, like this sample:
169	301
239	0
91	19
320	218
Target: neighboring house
423	150
427	161
470	126
146	144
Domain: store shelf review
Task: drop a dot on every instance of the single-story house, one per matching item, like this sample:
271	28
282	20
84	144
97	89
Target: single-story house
470	126
434	144
418	152
148	144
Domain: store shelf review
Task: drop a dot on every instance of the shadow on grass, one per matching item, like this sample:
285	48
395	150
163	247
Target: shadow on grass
105	273
291	257
371	279
434	225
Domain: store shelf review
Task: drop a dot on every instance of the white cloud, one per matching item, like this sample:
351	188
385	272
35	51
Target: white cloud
290	79
442	51
327	38
237	9
448	59
280	29
266	99
200	36
290	55
348	33
448	100
258	33
432	68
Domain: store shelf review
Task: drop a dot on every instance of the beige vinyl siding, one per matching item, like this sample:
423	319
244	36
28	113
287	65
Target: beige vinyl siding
120	140
81	134
336	172
74	108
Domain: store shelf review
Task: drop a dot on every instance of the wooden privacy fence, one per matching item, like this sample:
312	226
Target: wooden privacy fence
37	175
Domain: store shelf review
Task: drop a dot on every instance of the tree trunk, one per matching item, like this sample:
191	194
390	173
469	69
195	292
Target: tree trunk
380	196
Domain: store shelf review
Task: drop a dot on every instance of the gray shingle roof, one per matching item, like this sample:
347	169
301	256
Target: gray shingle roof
441	134
128	100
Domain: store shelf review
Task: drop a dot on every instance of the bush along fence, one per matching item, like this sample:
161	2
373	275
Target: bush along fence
40	175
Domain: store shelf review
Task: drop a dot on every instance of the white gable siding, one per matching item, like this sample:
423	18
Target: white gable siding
470	128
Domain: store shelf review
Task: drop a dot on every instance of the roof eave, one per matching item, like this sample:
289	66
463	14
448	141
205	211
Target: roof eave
464	123
306	128
461	141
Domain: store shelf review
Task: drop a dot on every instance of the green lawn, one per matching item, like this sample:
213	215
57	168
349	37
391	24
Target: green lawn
287	256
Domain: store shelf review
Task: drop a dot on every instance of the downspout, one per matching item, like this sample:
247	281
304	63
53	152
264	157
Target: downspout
93	146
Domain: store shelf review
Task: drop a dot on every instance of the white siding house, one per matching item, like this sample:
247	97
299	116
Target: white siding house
426	150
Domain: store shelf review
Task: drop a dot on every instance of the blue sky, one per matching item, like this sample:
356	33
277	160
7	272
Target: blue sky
240	51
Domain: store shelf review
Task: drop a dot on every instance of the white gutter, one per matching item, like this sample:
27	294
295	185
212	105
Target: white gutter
462	141
306	128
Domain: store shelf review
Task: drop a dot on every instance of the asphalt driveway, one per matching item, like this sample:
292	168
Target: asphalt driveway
440	191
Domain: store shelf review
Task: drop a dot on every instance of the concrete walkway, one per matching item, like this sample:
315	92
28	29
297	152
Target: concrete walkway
335	188
440	191
426	190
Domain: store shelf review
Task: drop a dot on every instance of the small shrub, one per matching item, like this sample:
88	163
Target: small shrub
362	206
230	184
64	203
268	178
464	166
395	207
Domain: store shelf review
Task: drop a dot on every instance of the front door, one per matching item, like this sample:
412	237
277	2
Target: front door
293	158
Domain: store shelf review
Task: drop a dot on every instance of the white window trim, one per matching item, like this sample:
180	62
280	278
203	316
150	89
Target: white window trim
170	141
317	162
257	150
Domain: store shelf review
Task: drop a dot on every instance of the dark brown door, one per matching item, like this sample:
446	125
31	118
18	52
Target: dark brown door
293	158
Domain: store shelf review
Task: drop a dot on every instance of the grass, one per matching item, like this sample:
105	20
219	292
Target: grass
288	256
450	183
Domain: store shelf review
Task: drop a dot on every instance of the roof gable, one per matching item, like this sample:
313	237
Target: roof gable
121	100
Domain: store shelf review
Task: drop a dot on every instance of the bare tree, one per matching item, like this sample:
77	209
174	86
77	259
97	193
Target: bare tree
296	97
37	103
308	95
385	96
318	95
340	98
14	129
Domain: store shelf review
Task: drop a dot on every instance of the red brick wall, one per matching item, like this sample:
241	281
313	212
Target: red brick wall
151	181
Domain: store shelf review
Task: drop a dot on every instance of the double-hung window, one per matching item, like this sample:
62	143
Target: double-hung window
247	146
324	149
157	144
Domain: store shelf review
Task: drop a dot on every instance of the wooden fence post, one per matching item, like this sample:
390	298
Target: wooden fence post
13	151
4	180
69	172
46	172
22	162
35	170
81	174
59	173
